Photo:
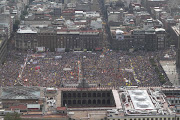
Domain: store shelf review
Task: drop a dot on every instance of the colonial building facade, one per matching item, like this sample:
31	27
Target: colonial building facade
51	39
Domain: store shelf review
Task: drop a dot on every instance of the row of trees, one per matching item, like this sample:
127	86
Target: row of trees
22	17
160	75
12	116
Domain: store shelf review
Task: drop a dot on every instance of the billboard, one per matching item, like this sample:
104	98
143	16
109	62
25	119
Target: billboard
60	49
40	49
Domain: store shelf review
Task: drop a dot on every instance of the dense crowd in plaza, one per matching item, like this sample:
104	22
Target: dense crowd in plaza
104	68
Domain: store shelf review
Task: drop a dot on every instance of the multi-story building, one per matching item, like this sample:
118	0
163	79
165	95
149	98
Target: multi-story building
5	21
154	3
28	38
161	38
175	33
139	39
3	46
141	104
87	98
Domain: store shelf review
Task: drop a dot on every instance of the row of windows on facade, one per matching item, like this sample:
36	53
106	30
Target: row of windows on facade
172	93
74	102
174	101
21	45
86	95
56	36
149	119
75	43
68	41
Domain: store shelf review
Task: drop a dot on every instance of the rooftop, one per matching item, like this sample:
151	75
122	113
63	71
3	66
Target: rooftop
20	92
27	30
141	102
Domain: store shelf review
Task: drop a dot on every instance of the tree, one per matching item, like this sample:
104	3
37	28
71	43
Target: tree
22	17
120	4
12	116
15	26
25	12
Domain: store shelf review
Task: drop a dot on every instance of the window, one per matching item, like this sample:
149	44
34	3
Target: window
108	94
94	94
89	94
74	94
69	94
84	95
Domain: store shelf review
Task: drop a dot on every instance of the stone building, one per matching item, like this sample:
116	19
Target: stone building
139	39
3	45
87	98
19	95
28	38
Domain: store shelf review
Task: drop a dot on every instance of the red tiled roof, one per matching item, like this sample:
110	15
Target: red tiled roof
20	107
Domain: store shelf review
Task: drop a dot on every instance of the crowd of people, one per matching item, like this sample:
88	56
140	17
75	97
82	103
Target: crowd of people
104	68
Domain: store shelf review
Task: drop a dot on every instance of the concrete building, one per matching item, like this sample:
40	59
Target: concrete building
154	3
141	104
175	32
87	98
139	39
3	45
50	38
23	98
5	20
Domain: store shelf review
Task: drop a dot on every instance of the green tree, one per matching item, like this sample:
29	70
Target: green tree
25	12
12	116
22	17
15	26
120	4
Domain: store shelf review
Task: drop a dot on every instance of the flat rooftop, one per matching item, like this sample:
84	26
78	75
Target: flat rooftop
143	101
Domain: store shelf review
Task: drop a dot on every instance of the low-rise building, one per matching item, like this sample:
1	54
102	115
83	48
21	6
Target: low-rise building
22	98
141	104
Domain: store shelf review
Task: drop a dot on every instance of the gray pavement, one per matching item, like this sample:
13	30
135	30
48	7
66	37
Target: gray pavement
172	71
